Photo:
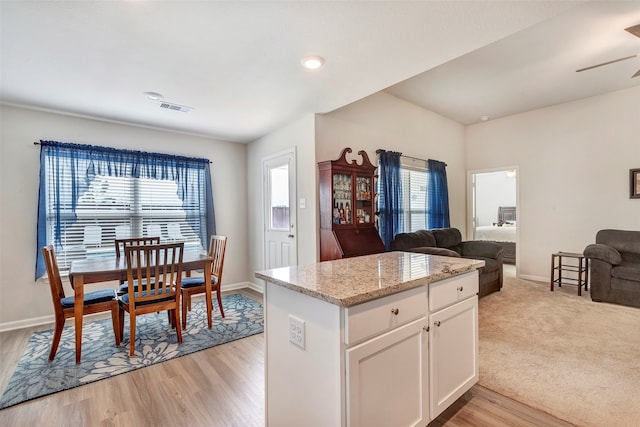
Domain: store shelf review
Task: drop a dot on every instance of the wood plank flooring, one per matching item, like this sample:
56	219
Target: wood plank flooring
220	386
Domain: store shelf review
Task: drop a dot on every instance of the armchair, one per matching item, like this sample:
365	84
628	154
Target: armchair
615	267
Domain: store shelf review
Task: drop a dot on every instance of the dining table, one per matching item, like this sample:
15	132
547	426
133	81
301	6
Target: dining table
86	271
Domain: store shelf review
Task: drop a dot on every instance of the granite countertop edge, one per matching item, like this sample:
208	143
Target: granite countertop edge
362	297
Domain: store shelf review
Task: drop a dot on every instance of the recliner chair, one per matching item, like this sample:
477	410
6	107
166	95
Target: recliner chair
615	267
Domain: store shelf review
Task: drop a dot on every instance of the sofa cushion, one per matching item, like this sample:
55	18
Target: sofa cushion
481	248
449	238
435	251
627	272
622	240
418	239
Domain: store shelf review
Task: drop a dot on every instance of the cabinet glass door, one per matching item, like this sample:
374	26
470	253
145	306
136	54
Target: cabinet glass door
342	199
364	200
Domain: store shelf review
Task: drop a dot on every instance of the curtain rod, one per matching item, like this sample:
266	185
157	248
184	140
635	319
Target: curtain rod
402	155
37	143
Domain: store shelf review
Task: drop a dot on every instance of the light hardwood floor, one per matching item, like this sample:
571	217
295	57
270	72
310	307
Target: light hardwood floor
221	386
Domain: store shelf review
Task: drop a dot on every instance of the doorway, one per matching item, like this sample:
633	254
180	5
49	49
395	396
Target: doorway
493	212
279	180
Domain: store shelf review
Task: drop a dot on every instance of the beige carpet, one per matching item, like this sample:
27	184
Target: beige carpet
566	355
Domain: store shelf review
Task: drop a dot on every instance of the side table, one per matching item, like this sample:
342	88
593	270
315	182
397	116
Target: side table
582	270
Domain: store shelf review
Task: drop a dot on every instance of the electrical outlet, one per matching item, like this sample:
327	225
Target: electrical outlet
296	331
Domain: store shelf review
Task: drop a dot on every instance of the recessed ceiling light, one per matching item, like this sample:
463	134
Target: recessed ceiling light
154	96
312	62
484	118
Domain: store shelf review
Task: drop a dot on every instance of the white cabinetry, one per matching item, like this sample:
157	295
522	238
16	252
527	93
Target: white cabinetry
453	340
386	376
397	360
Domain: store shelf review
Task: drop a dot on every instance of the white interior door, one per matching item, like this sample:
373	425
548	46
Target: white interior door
280	232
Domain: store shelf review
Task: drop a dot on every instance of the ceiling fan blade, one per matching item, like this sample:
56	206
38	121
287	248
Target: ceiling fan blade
635	30
606	63
636	74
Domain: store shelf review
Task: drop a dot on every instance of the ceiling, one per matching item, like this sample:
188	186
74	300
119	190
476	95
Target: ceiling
237	64
535	67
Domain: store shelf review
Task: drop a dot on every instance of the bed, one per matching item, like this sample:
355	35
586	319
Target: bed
503	232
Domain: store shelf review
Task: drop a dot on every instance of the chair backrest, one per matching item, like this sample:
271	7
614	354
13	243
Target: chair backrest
217	248
159	265
55	282
136	241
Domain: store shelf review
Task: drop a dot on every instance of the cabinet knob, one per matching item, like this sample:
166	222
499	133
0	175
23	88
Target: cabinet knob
460	288
436	323
291	236
425	328
395	311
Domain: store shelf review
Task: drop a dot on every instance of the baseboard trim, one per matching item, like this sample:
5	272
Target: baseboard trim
38	321
242	285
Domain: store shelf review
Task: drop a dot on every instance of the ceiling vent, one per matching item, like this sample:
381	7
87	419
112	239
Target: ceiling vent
175	107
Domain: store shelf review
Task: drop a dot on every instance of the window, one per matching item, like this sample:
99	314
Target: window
412	200
279	189
91	196
414	186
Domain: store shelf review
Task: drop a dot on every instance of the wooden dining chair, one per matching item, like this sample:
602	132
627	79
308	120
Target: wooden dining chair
140	241
195	285
161	268
94	302
135	241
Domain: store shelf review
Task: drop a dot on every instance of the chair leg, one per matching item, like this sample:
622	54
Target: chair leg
177	322
186	301
57	334
132	333
121	322
115	319
220	303
170	318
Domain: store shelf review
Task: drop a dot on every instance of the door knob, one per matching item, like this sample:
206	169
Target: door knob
291	236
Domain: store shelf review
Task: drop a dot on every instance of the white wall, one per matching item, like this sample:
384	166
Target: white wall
21	298
384	121
574	162
299	134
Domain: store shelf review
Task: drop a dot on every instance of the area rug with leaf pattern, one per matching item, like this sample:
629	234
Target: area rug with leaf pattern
155	342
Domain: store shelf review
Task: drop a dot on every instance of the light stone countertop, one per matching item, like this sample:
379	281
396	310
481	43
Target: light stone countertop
350	281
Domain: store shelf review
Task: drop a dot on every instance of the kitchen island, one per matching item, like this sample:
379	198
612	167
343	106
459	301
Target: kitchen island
387	339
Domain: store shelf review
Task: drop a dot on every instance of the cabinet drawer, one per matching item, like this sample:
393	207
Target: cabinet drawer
454	289
374	317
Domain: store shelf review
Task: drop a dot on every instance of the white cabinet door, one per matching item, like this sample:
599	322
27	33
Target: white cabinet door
387	378
453	353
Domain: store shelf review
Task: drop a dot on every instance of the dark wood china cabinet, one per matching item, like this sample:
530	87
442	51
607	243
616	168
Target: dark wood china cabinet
347	208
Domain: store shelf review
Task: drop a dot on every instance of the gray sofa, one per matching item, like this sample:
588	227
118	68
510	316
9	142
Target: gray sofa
615	267
448	242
